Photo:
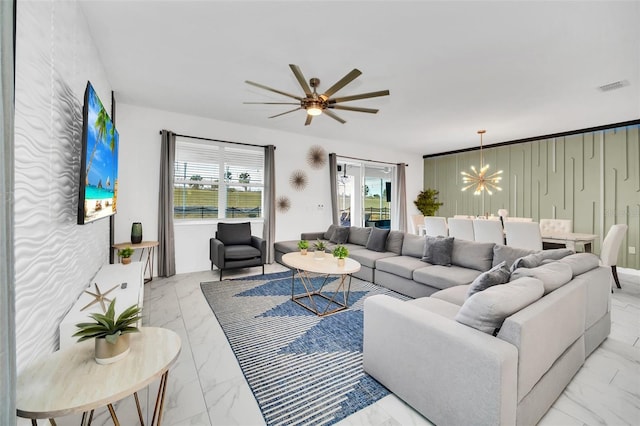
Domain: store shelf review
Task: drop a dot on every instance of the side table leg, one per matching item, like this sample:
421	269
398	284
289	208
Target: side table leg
113	415
135	395
53	422
157	411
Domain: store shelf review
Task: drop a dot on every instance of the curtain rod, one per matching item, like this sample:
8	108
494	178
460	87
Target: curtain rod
219	140
371	161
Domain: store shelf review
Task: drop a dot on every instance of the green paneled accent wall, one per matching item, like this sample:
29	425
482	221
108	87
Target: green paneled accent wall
592	178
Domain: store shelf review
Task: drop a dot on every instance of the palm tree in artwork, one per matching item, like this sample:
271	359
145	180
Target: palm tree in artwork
101	126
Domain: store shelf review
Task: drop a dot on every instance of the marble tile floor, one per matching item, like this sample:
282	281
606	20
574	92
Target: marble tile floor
206	385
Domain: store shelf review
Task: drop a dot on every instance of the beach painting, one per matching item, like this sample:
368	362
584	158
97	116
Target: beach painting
101	161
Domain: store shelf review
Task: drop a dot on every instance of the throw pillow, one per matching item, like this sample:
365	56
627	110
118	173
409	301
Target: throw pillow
529	261
553	275
359	235
487	310
437	250
329	232
499	274
340	235
556	254
413	245
394	241
507	253
377	239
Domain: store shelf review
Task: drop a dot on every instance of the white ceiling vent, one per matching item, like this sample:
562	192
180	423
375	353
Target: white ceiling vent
613	86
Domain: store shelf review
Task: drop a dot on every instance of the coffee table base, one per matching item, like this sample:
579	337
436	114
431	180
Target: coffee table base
310	293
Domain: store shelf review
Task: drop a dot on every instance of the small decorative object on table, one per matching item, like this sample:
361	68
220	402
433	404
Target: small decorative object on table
320	247
303	245
125	255
111	334
136	233
341	252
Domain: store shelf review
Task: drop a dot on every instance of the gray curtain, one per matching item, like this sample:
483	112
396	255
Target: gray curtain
333	180
269	228
166	248
7	286
400	206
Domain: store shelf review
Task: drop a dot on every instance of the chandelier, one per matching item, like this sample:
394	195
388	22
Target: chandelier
480	179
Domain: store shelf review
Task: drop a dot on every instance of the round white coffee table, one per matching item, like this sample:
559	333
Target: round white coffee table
302	265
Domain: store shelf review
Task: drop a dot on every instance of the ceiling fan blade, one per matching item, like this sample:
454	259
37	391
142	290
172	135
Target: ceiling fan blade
300	78
273	90
283	113
308	120
358	109
341	83
271	103
360	96
332	115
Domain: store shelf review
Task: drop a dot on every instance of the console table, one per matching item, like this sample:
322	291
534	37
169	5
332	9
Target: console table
570	239
150	246
70	381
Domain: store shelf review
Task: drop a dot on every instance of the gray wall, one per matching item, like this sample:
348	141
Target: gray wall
592	178
54	257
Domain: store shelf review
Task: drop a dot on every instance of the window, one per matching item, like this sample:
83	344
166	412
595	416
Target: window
215	180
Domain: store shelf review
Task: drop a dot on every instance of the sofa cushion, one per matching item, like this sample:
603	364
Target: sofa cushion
368	258
499	274
413	245
581	262
557	254
487	310
444	276
553	275
394	242
377	239
509	254
286	246
329	232
402	266
471	254
456	294
234	233
437	250
529	261
438	306
340	235
241	252
359	235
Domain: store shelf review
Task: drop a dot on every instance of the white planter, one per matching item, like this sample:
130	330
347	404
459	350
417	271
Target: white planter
108	353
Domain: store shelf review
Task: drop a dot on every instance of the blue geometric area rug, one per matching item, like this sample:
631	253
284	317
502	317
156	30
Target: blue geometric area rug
302	369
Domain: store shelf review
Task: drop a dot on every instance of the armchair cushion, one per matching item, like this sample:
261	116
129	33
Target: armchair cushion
234	233
241	252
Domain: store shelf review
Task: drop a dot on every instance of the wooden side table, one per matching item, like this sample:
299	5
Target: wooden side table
150	246
70	381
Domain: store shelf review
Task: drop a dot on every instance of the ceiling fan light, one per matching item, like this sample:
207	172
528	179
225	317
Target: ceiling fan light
314	110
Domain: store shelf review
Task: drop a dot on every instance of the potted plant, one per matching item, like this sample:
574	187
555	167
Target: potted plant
320	247
303	245
111	334
341	252
125	255
427	202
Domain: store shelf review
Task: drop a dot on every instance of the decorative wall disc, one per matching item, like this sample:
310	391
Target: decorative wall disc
298	180
316	157
283	204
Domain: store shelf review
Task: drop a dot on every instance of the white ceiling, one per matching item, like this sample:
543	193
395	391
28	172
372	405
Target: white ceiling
519	69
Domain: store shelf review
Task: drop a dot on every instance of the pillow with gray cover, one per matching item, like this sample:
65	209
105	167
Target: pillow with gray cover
394	241
553	275
509	254
329	232
377	239
359	235
499	274
557	254
529	261
487	310
340	235
437	250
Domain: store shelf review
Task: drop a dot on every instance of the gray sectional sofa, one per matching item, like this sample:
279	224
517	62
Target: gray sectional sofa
500	356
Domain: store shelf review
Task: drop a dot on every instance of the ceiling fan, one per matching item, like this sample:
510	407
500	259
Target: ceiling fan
316	104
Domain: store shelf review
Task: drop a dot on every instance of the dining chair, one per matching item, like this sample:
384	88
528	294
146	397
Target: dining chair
417	222
611	247
461	228
488	231
436	226
555	226
524	235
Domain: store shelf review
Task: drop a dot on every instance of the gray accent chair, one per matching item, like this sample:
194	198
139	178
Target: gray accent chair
234	247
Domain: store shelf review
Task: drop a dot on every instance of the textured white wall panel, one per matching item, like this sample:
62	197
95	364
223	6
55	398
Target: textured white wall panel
55	257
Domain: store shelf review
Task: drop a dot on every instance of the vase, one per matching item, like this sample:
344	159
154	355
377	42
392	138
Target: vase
108	353
126	260
136	233
303	252
319	254
341	262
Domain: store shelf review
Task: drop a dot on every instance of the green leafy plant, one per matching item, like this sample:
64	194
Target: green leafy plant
427	202
107	326
125	252
320	245
340	252
303	244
